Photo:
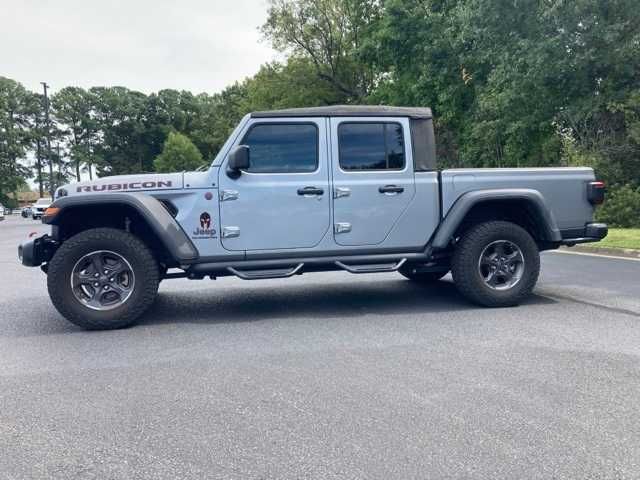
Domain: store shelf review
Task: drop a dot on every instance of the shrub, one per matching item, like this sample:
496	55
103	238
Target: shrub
621	207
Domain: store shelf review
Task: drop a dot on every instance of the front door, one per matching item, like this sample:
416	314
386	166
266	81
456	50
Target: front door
282	200
373	179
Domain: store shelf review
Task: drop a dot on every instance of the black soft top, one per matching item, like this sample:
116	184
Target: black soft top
348	111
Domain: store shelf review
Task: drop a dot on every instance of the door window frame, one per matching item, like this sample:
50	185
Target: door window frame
251	126
373	170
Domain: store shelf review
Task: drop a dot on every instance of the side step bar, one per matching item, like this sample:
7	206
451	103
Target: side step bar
371	268
263	274
287	267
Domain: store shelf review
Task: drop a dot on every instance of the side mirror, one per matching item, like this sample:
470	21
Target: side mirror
238	161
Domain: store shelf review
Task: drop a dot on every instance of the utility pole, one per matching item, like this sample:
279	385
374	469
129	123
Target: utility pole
48	136
39	158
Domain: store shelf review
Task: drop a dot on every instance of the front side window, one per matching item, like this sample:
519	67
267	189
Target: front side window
282	148
371	146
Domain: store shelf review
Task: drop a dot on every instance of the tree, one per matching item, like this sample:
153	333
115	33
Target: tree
288	85
122	146
508	79
15	104
179	154
37	132
329	34
72	108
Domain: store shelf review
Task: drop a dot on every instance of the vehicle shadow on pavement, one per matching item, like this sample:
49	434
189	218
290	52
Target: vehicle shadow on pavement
339	299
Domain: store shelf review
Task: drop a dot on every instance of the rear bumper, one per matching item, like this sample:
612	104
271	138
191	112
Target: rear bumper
592	232
35	252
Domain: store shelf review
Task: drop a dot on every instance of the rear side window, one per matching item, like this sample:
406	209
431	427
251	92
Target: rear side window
282	148
371	146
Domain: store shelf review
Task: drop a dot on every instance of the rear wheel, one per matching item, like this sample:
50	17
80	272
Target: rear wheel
103	278
496	264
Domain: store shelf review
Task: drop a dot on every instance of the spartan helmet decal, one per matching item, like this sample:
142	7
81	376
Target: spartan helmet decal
205	220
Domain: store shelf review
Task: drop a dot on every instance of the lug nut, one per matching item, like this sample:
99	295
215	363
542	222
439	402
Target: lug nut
111	279
96	275
106	287
96	284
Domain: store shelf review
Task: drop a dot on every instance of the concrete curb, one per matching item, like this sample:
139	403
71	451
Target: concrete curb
616	252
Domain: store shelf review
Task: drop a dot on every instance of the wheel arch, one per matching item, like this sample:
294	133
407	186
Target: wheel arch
141	214
524	207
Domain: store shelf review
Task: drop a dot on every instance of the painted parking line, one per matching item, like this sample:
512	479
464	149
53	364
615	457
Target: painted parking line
595	255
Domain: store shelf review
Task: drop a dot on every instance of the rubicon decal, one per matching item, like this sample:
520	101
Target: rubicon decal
115	187
206	229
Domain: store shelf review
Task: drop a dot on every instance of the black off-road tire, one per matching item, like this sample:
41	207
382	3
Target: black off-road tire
465	270
143	264
421	277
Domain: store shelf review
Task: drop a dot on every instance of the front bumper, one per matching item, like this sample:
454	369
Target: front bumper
35	252
593	232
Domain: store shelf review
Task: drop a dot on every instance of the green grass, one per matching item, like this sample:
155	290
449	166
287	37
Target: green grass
620	238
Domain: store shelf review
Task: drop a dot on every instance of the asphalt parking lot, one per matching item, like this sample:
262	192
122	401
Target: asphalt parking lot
325	376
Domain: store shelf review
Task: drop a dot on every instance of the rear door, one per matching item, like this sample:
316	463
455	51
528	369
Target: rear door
282	200
373	178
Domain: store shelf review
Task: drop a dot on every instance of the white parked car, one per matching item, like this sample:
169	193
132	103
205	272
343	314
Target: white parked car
1	212
38	208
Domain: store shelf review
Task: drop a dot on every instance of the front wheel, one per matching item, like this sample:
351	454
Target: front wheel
102	279
496	264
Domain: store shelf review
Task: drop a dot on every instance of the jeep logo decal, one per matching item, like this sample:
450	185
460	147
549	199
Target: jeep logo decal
205	230
205	220
114	187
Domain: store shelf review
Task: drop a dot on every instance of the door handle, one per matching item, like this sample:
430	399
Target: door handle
391	189
310	191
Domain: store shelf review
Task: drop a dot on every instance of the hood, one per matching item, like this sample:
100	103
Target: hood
124	183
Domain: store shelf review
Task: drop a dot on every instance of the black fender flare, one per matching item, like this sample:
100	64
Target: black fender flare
461	207
168	231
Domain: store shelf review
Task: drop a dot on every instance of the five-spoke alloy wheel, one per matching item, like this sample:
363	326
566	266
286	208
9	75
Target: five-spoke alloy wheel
496	264
501	264
103	278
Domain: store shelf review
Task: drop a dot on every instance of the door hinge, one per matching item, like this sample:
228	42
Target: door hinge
230	232
342	227
228	195
340	192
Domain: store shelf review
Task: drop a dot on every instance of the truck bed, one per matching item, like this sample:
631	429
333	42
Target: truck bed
564	189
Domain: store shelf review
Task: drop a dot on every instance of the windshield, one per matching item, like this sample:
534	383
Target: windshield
43	201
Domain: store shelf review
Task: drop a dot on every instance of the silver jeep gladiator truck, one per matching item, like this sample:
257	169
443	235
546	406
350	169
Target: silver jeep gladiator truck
306	190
